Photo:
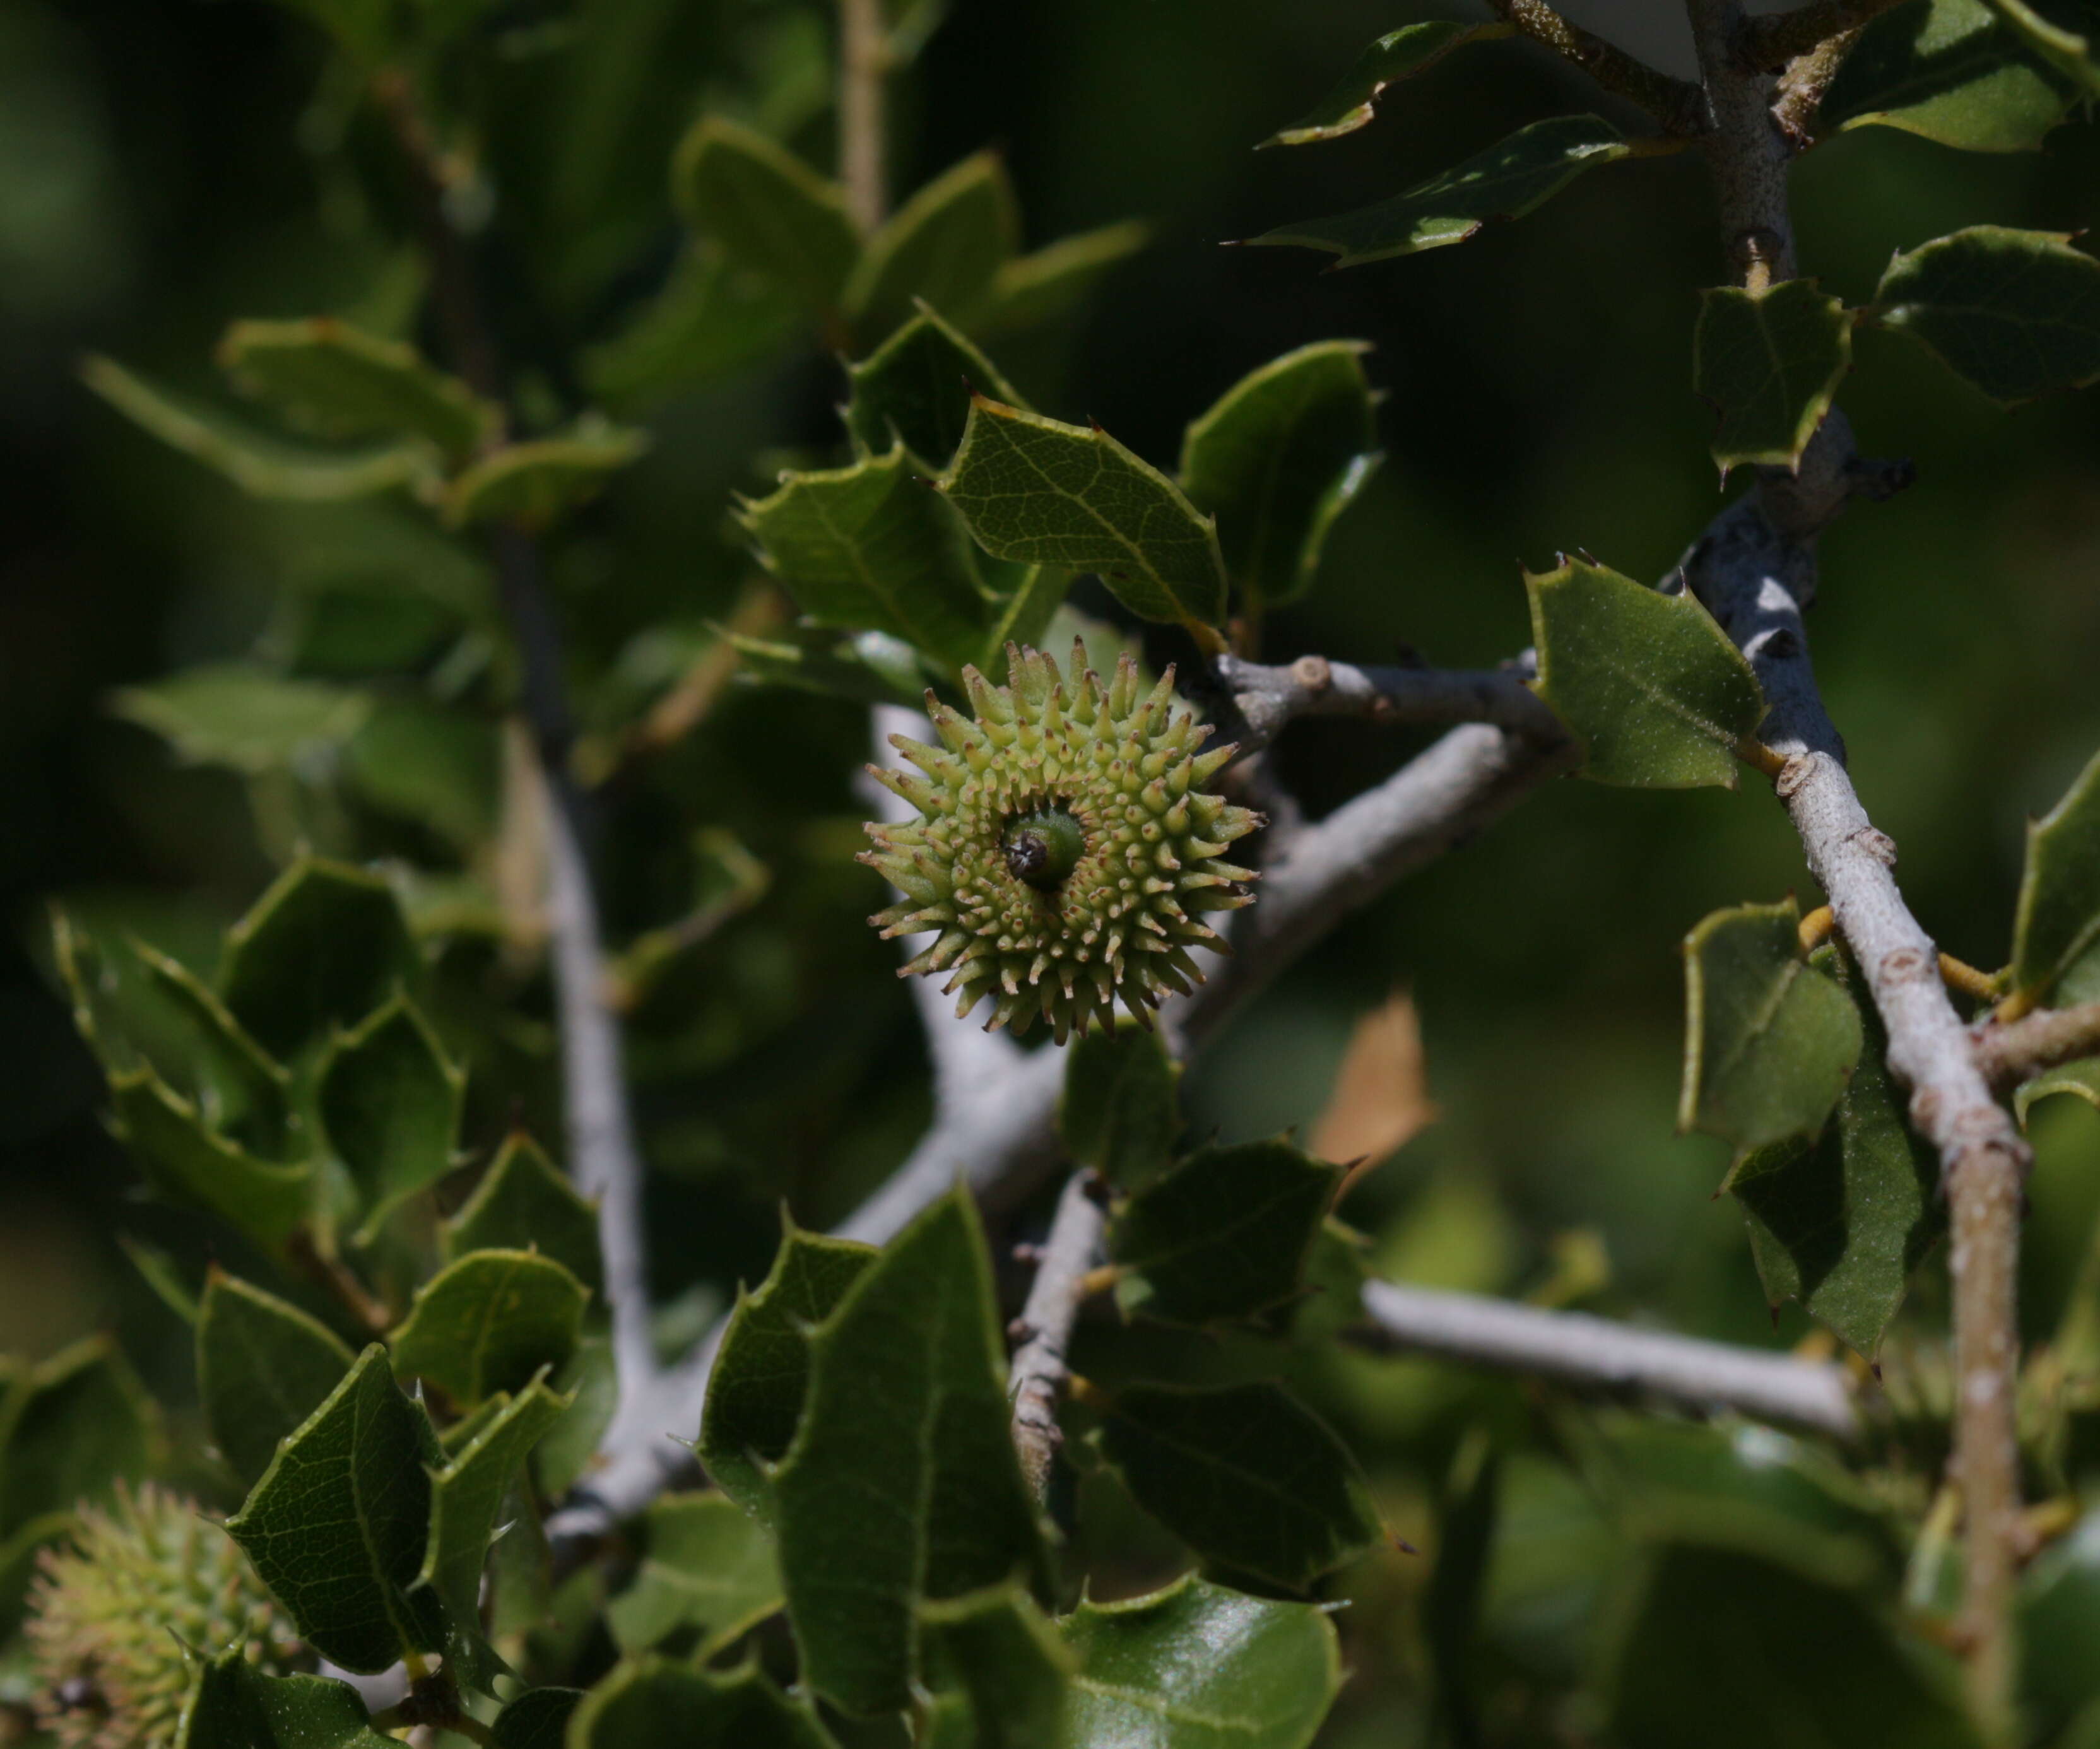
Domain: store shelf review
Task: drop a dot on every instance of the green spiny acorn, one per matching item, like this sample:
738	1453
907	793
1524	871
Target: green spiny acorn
111	1613
1065	846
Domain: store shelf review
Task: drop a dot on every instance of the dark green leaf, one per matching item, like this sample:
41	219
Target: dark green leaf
71	1427
1038	491
1451	1608
365	27
1198	1667
1245	1474
1025	621
523	1203
1224	1235
260	463
1277	458
761	1375
2056	932
245	718
1769	1043
337	1526
707	1569
656	1703
1395	56
487	1322
2059	1618
1032	289
915	388
1506	181
902	1486
2015	312
1840	1223
1953	71
996	1652
943	245
538	1719
536	483
869	668
568	1450
2082	1079
185	1161
263	1367
433	763
234	1706
336	381
765	208
1120	1113
2064	33
1770	362
323	948
160	1271
240	1092
1652	689
871	546
711	318
390	1104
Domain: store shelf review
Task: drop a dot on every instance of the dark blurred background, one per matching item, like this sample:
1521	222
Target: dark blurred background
166	165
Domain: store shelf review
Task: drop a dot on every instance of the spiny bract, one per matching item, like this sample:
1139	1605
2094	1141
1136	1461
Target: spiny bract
111	1613
1065	845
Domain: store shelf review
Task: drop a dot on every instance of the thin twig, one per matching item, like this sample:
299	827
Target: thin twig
1673	102
1269	697
2009	1052
1580	1349
1037	1381
1767	44
863	67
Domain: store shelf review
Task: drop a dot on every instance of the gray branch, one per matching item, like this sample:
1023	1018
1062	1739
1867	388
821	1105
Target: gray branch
1268	698
1039	1376
2008	1053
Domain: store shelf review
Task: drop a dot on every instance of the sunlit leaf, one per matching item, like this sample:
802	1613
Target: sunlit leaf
2064	33
1395	56
1954	71
1769	362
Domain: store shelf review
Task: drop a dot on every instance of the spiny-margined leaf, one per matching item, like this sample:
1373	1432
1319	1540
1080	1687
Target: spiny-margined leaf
2082	1078
1841	1223
327	377
761	1374
1245	1474
240	1091
523	1203
997	1654
653	1702
244	717
263	1366
707	1569
184	1160
2064	33
711	318
70	1429
487	1322
1397	55
235	1706
322	947
904	1437
590	1379
1506	181
1769	362
1953	71
915	388
944	244
1647	683
536	482
1225	1235
1051	282
1120	1111
2055	930
1041	492
1276	458
389	1102
871	547
2017	313
1197	1666
1770	1040
765	209
337	1526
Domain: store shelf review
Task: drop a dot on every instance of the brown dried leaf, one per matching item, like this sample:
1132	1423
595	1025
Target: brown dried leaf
1381	1096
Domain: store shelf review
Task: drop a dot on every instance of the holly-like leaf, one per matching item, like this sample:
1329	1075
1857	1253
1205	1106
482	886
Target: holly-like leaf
1041	492
389	1102
240	1091
335	379
1280	454
1653	689
538	1719
1769	1041
235	1706
944	244
434	763
185	1160
761	1374
1120	1112
663	1704
524	1203
1953	71
245	718
325	945
1245	1474
1225	1235
2064	33
1198	1667
489	1322
2017	313
1397	55
260	463
337	1526
591	1380
712	317
1769	362
765	209
2055	930
995	1654
1841	1223
915	388
904	1439
71	1427
870	547
537	482
2082	1078
1032	289
1506	181
707	1569
263	1367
